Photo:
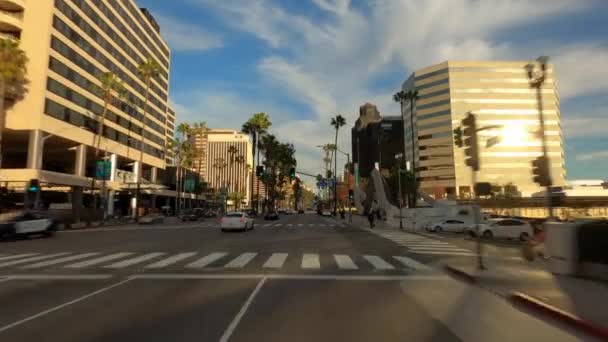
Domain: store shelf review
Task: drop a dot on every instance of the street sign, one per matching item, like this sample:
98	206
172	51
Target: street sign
493	141
103	169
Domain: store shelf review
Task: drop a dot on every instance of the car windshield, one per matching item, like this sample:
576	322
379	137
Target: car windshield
234	214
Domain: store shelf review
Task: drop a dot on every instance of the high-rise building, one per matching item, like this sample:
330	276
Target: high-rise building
51	134
227	160
499	94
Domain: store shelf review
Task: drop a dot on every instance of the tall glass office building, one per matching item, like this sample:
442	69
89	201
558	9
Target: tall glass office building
499	94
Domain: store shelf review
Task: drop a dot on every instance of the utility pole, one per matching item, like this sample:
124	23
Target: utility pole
543	177
398	156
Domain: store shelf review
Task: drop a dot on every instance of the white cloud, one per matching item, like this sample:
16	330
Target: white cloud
183	36
584	127
334	6
592	155
582	69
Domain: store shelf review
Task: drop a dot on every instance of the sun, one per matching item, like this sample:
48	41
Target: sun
514	134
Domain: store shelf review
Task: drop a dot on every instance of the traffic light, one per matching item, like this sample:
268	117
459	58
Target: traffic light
259	171
540	170
458	136
471	150
292	173
33	186
351	194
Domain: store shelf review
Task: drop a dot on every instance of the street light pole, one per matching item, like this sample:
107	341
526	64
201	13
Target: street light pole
397	156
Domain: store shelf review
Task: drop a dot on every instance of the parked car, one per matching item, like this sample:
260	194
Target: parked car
300	211
191	215
235	220
450	225
210	214
282	211
26	223
271	215
326	212
503	228
152	219
289	211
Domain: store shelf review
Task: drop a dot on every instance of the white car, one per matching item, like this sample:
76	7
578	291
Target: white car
236	221
504	228
152	219
451	225
326	212
26	223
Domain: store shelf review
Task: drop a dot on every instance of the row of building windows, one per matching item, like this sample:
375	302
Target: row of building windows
435	135
72	117
447	122
137	15
164	60
83	63
431	74
65	71
80	100
435	93
432	84
434	115
67	31
433	104
92	32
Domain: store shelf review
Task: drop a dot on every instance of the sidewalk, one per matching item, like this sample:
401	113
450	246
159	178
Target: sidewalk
574	301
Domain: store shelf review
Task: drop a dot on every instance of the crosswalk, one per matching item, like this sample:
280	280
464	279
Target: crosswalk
192	260
286	225
419	244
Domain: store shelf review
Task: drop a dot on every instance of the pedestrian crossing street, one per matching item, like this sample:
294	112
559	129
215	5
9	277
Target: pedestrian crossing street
418	244
214	260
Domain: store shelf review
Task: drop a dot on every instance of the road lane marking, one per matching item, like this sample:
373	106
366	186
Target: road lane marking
17	256
36	258
61	260
413	264
278	224
61	306
206	260
378	262
345	262
59	276
300	225
133	261
310	261
444	253
171	260
289	225
276	260
99	260
434	249
241	260
178	276
235	321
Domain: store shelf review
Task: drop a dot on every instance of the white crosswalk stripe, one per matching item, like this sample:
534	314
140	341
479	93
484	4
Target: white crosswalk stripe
345	262
241	260
278	224
99	260
423	245
300	225
378	262
30	259
310	261
136	260
289	225
276	260
17	256
60	260
171	260
206	260
413	264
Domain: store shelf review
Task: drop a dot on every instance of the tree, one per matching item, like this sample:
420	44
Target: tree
256	126
200	129
408	184
111	88
147	70
13	81
336	122
279	158
412	96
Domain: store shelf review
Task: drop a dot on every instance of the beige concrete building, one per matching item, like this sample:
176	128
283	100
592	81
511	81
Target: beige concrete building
50	133
227	160
498	93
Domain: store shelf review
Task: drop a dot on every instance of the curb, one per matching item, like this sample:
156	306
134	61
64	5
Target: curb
561	315
460	275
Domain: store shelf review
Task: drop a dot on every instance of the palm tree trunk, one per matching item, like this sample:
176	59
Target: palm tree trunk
336	173
2	116
253	170
141	152
414	194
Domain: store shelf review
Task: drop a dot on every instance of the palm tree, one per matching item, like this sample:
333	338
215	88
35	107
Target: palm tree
257	125
111	88
13	79
148	70
182	152
336	122
200	129
412	96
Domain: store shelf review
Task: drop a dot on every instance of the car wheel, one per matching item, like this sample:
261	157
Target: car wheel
438	229
524	236
223	230
487	234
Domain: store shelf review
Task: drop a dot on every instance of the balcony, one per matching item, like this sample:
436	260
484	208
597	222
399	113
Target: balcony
12	5
11	21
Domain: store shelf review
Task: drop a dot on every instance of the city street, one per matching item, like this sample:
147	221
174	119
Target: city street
301	278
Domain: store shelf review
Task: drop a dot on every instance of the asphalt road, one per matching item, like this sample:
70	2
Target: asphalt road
302	278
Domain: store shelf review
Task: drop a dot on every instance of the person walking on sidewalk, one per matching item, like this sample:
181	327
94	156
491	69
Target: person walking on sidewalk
371	216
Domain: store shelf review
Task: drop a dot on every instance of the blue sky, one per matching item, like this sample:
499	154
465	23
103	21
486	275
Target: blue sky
303	61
